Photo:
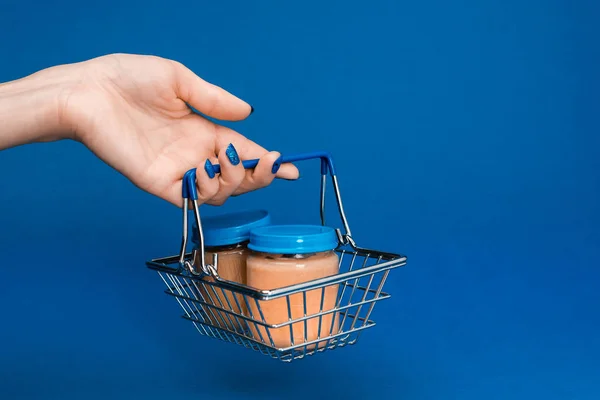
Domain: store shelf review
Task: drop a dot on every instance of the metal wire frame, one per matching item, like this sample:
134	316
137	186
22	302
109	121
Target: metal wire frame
215	309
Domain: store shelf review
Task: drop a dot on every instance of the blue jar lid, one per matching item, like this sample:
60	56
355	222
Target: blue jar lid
229	229
293	239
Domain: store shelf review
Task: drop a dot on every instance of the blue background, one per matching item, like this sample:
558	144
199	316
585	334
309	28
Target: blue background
465	135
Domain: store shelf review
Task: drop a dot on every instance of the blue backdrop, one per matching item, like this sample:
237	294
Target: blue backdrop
466	136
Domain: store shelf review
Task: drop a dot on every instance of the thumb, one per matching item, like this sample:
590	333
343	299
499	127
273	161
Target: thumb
209	99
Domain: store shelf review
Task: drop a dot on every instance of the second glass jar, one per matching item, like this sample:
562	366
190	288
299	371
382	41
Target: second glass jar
226	235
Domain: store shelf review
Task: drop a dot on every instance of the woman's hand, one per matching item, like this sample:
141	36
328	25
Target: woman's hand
131	112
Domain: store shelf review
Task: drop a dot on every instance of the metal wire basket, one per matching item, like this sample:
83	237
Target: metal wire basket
335	309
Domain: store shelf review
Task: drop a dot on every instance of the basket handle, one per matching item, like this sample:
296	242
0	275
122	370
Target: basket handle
190	192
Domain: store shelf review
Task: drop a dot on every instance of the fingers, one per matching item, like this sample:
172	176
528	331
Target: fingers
206	181
207	98
288	171
265	171
215	188
262	175
251	150
233	180
231	176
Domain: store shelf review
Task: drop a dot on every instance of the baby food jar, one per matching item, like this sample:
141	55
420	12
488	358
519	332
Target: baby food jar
227	236
284	255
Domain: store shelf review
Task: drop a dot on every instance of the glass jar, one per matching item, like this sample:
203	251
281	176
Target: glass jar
284	255
226	235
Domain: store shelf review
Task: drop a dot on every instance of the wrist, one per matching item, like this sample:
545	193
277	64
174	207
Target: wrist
33	109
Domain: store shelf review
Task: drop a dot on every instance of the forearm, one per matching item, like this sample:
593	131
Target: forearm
31	108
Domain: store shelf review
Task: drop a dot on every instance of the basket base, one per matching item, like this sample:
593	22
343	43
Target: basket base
294	352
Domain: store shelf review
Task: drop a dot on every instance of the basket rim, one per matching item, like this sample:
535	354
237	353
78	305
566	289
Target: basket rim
165	265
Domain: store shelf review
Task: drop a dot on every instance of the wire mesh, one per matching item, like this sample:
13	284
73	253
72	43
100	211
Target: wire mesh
300	320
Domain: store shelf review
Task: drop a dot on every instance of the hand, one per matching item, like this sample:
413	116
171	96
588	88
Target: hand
131	112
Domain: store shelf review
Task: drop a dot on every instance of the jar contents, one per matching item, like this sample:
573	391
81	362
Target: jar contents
227	236
266	272
231	267
283	266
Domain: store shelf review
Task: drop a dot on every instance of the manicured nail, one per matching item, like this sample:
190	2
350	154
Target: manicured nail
251	110
276	165
208	167
232	154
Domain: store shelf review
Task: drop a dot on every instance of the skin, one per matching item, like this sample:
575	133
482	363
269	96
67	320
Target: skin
132	112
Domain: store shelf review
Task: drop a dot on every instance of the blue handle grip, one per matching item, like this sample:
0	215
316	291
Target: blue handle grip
189	190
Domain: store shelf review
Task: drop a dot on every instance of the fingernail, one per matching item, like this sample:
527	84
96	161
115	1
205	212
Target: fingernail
251	110
208	167
276	165
232	154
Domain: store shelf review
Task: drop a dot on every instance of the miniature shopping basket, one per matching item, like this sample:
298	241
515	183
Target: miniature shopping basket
205	297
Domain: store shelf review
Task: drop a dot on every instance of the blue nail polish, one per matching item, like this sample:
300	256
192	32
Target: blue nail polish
232	154
208	167
276	165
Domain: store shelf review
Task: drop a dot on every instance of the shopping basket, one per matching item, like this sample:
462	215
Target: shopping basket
213	305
